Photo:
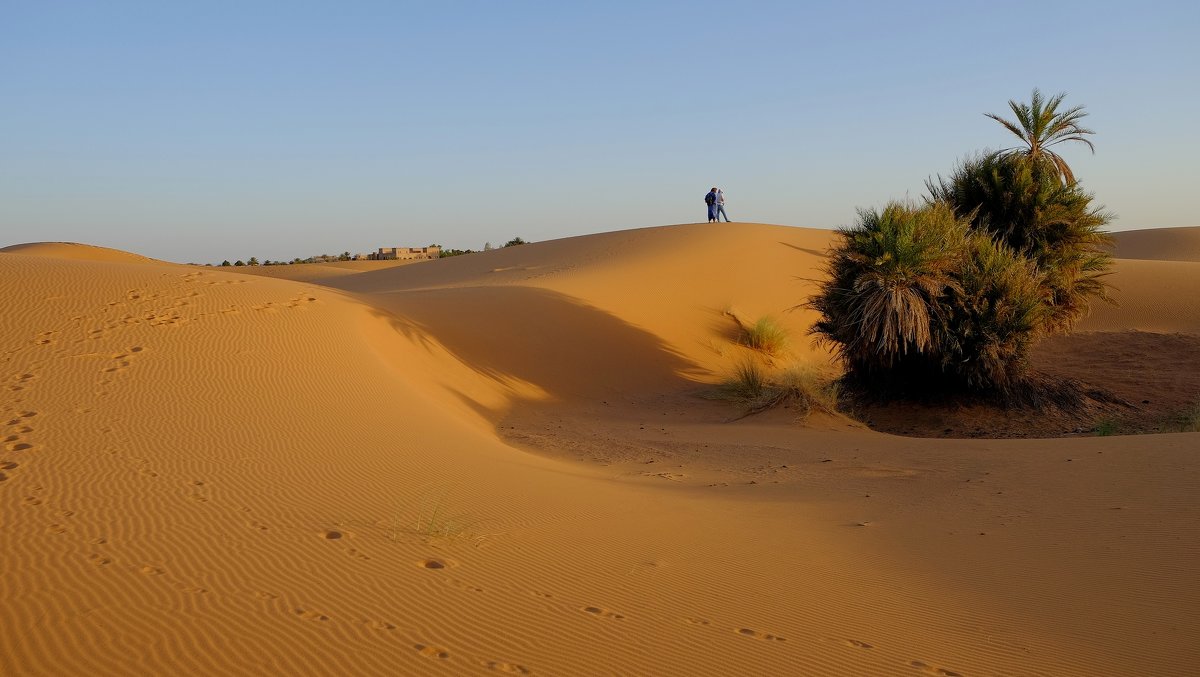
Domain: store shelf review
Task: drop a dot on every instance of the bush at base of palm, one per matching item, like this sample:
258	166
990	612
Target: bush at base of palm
917	301
884	300
993	317
1022	202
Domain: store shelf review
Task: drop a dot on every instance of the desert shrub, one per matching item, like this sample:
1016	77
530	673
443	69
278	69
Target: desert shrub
803	388
807	388
748	382
766	336
993	315
1022	202
1189	420
887	278
917	299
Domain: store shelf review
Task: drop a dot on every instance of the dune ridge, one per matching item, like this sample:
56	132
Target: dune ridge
1160	244
210	472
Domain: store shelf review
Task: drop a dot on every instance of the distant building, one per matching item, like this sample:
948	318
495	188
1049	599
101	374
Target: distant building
407	253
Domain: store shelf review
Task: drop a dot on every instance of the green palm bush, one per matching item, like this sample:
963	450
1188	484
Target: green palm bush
1005	250
994	314
916	298
1021	202
884	299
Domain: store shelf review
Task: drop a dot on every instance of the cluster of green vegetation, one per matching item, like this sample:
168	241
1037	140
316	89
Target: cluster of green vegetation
952	292
346	256
323	258
487	247
758	383
758	389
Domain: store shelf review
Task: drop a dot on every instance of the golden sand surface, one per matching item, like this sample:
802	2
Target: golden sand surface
503	463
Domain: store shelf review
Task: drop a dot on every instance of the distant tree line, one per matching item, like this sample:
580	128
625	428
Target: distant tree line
346	256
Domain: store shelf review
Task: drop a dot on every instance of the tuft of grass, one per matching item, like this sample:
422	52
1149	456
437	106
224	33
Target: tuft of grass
434	520
1189	420
803	388
1106	427
809	388
748	382
766	336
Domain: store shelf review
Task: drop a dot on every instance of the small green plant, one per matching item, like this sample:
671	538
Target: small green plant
767	336
1106	427
809	388
803	388
434	520
748	382
1189	420
764	335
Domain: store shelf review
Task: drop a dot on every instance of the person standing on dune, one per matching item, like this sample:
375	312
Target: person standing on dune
710	199
721	206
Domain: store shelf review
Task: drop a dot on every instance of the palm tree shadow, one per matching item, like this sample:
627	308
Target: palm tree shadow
806	250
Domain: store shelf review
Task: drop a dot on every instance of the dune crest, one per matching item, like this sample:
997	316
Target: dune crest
1159	244
76	251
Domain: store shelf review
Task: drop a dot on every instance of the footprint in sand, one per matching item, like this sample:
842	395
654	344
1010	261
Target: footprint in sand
434	564
310	615
151	570
931	670
858	644
432	651
507	668
760	635
379	625
602	612
18	446
99	560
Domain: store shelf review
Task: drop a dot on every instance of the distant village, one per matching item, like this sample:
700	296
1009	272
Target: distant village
433	251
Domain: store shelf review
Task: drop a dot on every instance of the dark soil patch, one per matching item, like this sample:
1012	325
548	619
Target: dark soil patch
1089	383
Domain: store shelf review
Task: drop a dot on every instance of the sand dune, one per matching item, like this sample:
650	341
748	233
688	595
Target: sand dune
211	472
1160	244
75	251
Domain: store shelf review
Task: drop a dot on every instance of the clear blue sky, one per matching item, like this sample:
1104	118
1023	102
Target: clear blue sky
210	130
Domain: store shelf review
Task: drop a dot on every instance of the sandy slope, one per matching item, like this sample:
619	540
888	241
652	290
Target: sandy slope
207	472
1163	244
75	251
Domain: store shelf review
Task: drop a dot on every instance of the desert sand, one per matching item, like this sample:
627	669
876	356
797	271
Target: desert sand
504	463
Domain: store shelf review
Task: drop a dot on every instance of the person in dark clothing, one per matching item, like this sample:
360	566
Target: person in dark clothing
711	200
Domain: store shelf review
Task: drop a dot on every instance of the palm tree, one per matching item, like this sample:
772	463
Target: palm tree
881	304
1040	126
